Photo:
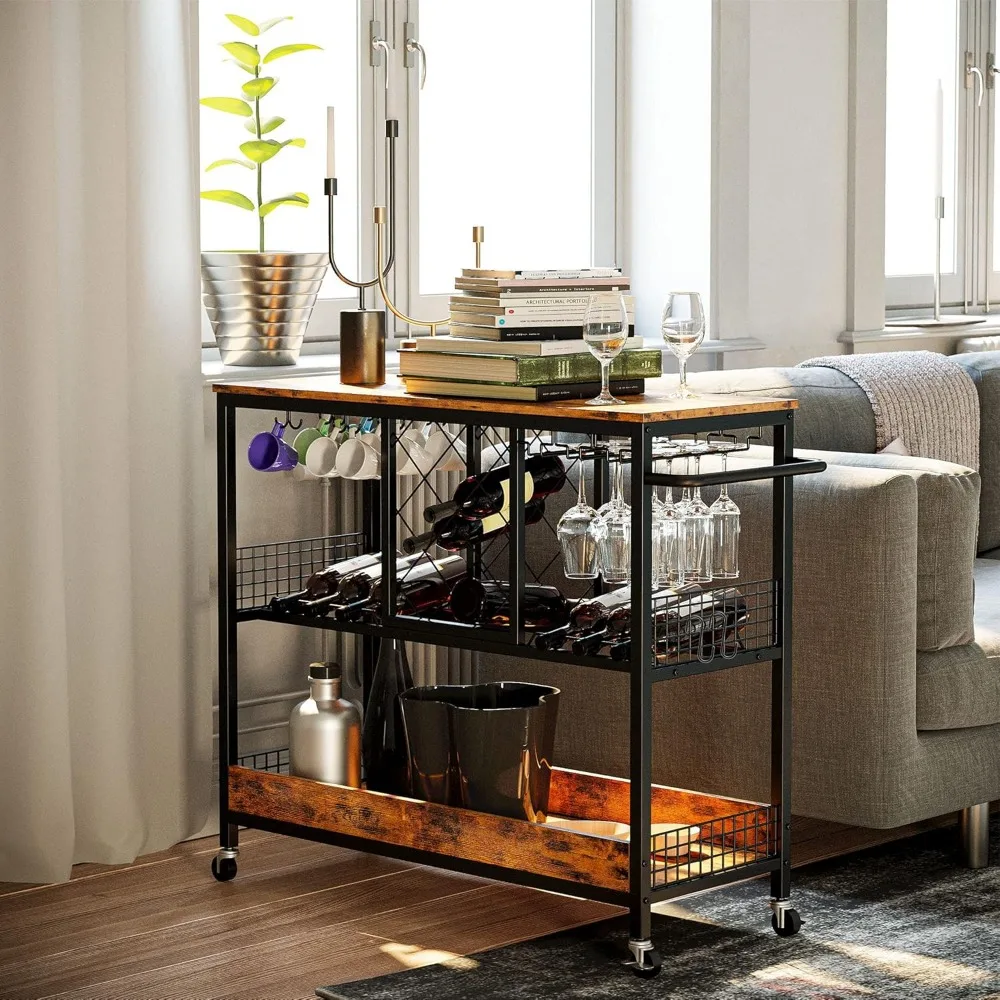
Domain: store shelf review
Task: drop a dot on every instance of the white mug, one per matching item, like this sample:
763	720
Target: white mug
446	453
321	457
411	457
357	460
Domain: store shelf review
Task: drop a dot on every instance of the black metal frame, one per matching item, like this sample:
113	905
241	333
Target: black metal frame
380	530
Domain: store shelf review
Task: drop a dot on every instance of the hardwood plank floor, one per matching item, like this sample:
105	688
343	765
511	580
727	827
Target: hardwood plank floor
298	915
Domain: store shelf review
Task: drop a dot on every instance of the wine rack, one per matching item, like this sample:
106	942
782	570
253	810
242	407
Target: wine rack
679	840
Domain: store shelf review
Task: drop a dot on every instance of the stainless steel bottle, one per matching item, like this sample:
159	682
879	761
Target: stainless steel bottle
324	732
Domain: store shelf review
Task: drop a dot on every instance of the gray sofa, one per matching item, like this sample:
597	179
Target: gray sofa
896	638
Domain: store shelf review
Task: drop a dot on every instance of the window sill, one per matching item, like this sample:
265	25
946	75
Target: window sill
213	370
891	335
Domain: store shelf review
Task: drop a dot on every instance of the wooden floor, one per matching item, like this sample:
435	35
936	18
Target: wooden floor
297	916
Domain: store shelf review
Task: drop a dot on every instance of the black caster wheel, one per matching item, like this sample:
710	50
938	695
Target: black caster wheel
651	965
224	870
793	924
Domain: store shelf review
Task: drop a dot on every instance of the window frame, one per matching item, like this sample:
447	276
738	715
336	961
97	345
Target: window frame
904	293
402	102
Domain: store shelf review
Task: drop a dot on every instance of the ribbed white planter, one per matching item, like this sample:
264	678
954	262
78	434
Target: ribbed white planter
259	304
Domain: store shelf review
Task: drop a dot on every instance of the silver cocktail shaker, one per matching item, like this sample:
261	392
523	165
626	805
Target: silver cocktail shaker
324	732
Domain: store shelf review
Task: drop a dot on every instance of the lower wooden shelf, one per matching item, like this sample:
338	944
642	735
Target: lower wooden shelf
715	834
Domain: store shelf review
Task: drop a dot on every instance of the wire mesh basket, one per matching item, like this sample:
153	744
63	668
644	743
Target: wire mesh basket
681	854
276	569
721	621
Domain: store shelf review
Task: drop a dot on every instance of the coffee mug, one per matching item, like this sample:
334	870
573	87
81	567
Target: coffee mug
321	458
356	459
446	453
305	438
410	457
269	452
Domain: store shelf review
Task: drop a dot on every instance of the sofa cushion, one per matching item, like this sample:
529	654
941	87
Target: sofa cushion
833	413
947	508
958	688
985	371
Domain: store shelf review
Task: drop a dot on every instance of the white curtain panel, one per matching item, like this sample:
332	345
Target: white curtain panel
105	688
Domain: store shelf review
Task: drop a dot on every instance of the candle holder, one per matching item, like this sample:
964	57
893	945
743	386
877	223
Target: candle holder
379	216
937	320
362	331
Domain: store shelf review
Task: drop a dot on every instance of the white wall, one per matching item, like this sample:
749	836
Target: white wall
780	176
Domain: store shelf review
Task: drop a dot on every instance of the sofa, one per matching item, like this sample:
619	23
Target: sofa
896	632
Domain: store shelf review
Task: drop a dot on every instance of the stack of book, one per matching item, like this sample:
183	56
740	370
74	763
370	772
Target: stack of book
519	335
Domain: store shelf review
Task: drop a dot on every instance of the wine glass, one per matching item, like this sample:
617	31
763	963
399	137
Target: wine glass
697	533
683	328
616	545
605	328
669	540
725	533
580	531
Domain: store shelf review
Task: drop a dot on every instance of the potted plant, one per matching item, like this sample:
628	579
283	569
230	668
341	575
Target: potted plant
258	302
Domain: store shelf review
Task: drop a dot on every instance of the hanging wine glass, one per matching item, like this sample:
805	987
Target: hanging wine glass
725	533
616	546
683	328
698	533
580	531
668	538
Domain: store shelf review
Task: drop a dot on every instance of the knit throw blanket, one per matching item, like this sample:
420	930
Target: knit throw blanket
926	399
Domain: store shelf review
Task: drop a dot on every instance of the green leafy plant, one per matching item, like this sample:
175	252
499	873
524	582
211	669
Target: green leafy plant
258	150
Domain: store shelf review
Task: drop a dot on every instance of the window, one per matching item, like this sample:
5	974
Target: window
521	128
924	155
514	152
954	42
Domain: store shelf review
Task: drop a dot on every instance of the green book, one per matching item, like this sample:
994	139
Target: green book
526	370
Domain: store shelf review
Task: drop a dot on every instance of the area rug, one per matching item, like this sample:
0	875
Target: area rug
899	922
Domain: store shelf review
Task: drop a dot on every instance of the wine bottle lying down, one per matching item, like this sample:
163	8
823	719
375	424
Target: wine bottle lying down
686	620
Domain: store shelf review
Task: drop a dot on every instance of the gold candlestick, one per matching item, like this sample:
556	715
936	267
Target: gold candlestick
379	217
479	238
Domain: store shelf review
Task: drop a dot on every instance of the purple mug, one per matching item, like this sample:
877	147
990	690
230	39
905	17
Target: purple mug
269	452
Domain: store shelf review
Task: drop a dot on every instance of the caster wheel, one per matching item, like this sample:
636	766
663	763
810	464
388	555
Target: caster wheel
793	924
651	965
224	870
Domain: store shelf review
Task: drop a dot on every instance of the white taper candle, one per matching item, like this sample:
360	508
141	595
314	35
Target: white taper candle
330	171
939	140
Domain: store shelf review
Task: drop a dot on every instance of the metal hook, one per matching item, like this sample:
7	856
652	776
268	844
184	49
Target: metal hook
288	421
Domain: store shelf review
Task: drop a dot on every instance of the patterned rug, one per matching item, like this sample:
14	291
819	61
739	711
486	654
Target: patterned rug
899	922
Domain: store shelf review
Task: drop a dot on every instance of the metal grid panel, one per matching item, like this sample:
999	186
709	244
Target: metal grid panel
712	846
272	761
279	568
722	621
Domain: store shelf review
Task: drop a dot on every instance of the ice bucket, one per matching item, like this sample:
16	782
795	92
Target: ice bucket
483	746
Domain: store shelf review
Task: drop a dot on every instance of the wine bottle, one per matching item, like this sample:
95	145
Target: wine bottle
687	625
487	602
611	623
383	738
425	584
454	532
326	581
358	586
489	493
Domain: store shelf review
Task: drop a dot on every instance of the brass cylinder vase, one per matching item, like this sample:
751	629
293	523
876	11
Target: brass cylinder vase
362	347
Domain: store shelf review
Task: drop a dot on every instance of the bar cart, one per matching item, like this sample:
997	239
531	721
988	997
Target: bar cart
724	839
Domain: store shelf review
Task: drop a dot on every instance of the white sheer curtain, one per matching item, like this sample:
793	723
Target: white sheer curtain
105	690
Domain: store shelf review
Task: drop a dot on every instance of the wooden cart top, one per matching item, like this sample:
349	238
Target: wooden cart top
655	405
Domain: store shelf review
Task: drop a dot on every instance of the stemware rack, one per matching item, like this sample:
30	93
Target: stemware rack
719	840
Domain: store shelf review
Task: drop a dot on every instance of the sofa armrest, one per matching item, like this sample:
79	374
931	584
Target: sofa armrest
947	521
853	647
